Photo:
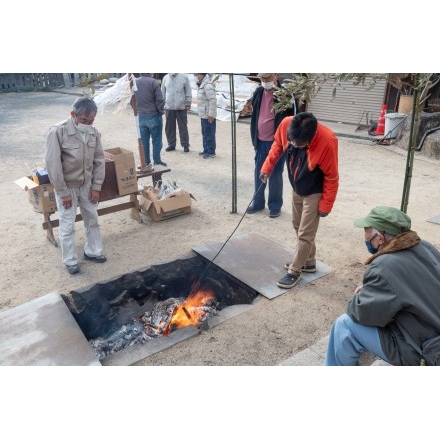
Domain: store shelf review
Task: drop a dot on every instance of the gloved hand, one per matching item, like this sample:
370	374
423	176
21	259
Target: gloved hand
322	214
263	177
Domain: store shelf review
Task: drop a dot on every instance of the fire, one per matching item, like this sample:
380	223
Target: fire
191	311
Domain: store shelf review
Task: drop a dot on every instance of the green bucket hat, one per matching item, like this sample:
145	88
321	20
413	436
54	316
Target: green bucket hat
385	218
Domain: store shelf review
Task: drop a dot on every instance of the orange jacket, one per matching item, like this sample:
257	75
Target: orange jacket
321	153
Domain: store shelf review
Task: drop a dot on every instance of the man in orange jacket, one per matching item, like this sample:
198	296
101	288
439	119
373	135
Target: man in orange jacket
312	167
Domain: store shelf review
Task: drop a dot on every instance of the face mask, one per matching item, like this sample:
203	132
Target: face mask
267	85
371	249
84	128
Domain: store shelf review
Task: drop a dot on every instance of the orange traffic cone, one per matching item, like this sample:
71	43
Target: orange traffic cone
380	130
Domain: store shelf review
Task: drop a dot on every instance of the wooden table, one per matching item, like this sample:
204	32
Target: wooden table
109	192
156	174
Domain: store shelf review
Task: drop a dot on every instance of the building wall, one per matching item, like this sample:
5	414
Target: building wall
351	104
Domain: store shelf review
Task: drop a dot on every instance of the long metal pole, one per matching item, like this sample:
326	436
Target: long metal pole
234	144
134	105
411	147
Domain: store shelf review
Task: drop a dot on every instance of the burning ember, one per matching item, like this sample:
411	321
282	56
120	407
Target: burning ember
167	316
193	311
152	302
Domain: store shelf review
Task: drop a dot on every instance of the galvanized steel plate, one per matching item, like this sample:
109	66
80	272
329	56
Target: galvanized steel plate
434	219
257	261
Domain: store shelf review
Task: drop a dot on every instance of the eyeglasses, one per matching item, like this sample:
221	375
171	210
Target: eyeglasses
375	235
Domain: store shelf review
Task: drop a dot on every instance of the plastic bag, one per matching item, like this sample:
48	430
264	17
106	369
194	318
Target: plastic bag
168	190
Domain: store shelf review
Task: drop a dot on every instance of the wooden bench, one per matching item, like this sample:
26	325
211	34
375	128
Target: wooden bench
156	174
109	192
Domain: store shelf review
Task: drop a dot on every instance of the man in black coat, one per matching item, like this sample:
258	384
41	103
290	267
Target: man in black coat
264	123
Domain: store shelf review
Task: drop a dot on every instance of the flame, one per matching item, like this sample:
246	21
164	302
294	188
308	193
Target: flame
191	311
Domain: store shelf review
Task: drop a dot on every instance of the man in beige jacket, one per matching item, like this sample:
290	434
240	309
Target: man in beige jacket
76	167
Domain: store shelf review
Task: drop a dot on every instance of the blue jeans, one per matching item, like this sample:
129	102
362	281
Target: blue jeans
151	126
208	136
348	340
275	181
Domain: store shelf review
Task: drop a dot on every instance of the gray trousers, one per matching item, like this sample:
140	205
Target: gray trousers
181	117
89	212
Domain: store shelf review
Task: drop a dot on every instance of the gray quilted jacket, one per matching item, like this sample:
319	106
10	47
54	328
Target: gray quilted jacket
176	90
206	99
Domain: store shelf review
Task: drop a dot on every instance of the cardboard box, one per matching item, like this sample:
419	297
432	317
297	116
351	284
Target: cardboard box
41	197
109	188
125	168
163	209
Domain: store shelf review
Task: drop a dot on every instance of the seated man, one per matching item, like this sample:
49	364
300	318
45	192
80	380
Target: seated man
397	308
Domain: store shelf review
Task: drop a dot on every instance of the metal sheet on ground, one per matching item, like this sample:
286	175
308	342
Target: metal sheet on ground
434	219
257	261
43	332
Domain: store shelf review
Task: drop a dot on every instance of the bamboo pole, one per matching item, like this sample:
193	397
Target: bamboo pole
411	146
234	144
134	105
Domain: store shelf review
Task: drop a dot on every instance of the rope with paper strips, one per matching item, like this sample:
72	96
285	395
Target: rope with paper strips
120	93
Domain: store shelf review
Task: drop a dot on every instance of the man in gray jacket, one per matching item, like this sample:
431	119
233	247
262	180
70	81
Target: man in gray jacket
75	164
176	90
207	109
397	308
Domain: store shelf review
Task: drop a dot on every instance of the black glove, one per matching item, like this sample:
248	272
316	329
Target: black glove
322	214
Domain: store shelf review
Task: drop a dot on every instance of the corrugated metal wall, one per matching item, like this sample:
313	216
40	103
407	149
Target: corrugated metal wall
351	105
26	82
16	82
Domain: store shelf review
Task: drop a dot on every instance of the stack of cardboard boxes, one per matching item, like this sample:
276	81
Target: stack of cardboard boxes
120	180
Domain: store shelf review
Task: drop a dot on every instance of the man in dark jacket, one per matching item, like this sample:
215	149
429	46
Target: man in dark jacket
397	308
150	108
264	123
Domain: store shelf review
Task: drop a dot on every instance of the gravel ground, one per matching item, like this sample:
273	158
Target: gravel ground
273	330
